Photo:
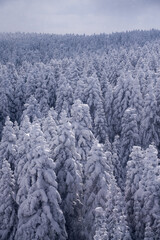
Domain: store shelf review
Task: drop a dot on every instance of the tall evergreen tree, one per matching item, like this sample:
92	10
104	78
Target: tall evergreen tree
52	77
50	129
129	136
82	126
12	95
39	213
8	147
148	128
100	225
32	109
136	100
147	197
97	172
121	99
42	97
35	77
65	97
94	100
116	163
108	99
149	235
68	171
135	168
80	89
4	108
116	219
7	203
23	147
73	75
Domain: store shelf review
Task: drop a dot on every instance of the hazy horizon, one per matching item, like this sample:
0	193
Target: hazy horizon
78	17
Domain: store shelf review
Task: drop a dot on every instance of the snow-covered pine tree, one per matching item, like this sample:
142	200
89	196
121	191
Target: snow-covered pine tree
32	109
82	126
147	81
104	82
80	89
94	100
108	99
107	145
149	234
141	78
129	137
13	80
23	147
134	174
98	178
65	96
73	75
8	147
16	129
116	164
68	171
8	217
116	218
36	75
148	126
147	206
42	97
50	128
121	98
100	225
136	100
52	73
39	213
157	96
4	108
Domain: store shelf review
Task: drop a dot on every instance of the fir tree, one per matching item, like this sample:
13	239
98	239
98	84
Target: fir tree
148	125
94	100
8	147
50	129
65	97
39	213
147	204
97	172
32	109
134	174
7	203
81	122
129	137
100	225
68	172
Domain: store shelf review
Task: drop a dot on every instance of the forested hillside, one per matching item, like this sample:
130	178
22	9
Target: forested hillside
80	136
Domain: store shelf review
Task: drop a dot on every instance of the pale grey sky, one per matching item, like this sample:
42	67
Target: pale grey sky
78	16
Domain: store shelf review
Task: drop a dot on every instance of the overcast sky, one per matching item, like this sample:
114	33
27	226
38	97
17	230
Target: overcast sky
78	16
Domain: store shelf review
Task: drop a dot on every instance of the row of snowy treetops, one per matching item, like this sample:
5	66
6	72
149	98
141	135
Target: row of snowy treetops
80	136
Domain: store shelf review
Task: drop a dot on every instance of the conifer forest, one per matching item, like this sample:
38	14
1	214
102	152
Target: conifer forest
80	136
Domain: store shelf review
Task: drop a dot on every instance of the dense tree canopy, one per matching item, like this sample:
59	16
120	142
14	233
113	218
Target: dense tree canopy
80	136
